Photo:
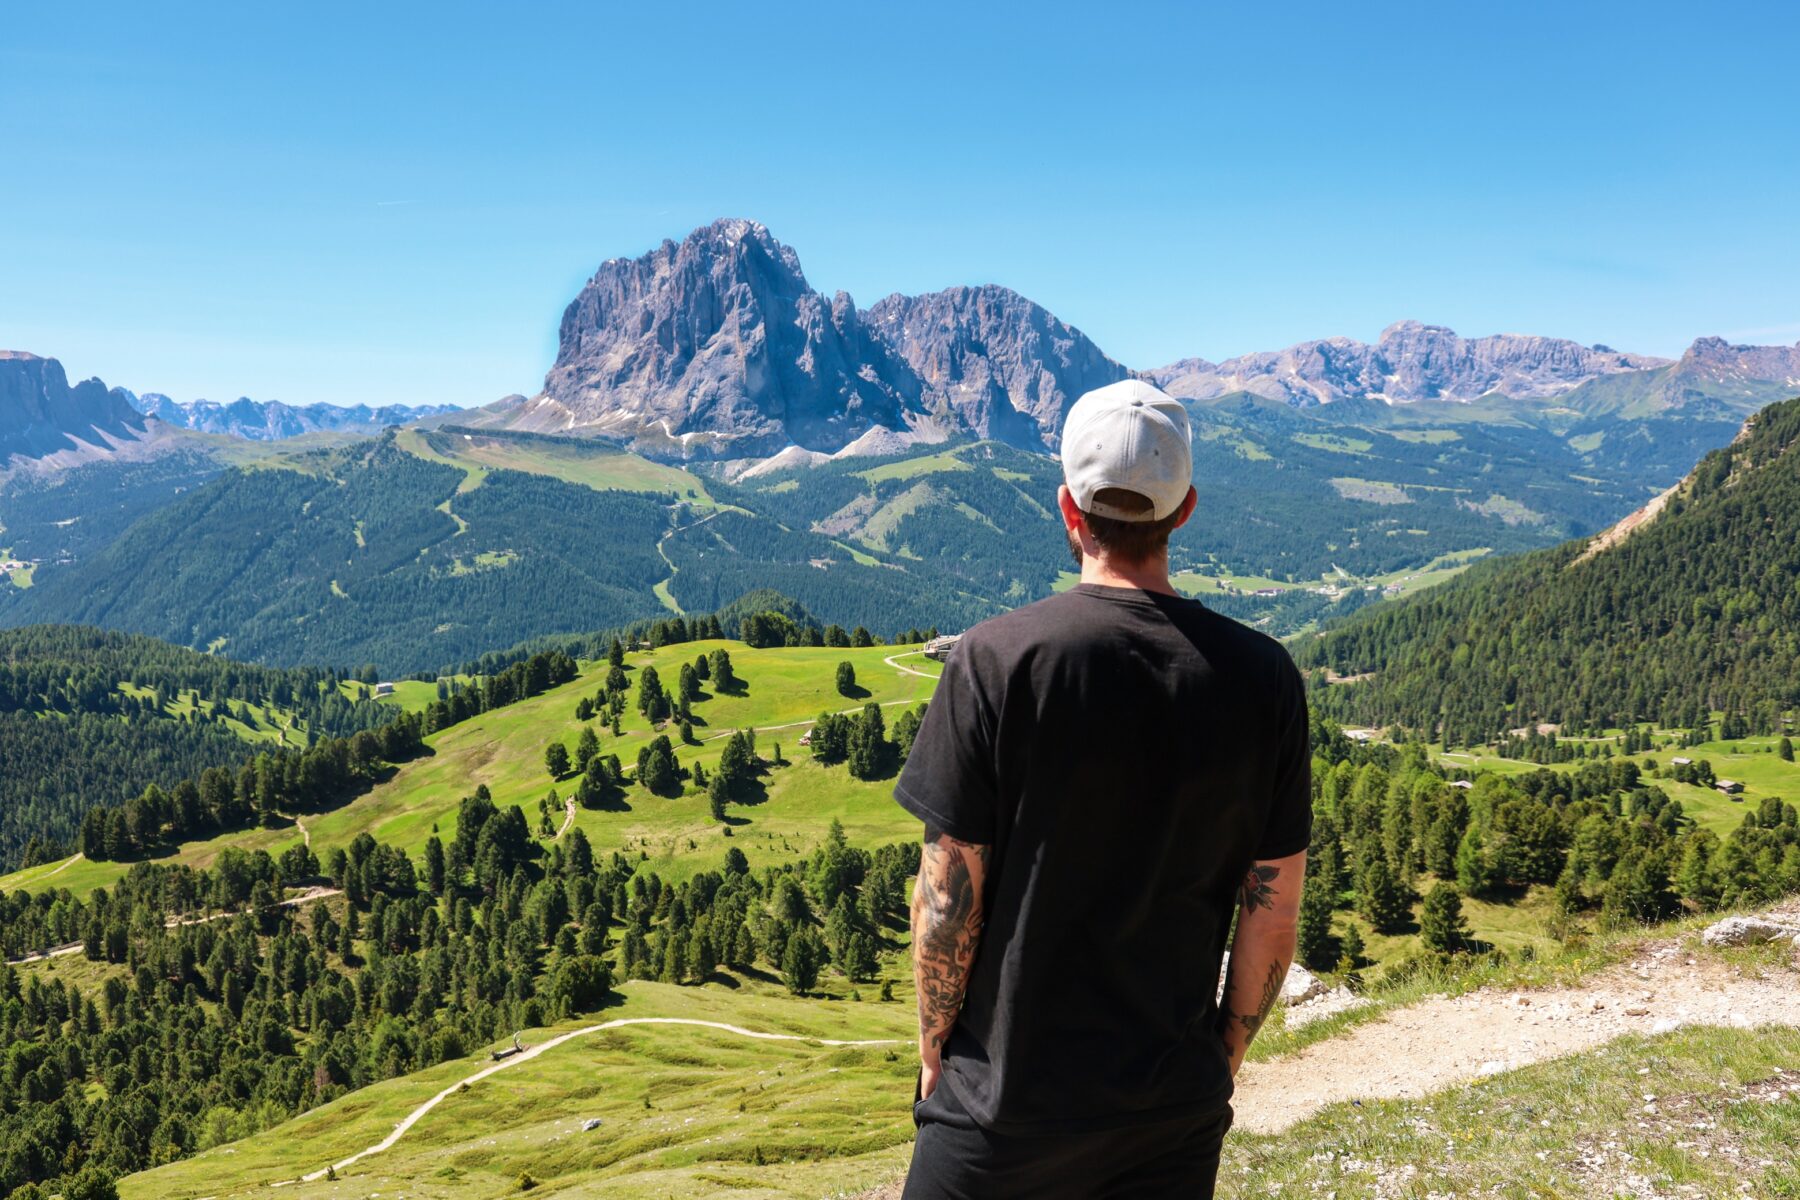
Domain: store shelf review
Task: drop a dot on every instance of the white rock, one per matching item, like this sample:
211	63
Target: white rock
1745	931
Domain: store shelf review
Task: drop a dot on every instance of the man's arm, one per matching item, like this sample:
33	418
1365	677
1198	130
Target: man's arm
1261	951
946	931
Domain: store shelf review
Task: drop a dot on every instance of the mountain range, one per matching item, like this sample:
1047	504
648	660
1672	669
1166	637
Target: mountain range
712	426
717	347
271	420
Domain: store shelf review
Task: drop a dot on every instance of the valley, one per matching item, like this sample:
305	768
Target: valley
308	914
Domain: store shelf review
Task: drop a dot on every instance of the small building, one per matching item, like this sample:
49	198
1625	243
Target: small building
1360	735
384	689
939	648
1464	784
1681	762
1730	787
806	738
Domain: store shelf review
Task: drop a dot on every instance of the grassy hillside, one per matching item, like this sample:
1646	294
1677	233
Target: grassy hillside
694	1111
503	749
785	689
686	1111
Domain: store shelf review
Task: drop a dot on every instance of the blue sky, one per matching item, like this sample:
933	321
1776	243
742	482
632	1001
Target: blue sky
392	203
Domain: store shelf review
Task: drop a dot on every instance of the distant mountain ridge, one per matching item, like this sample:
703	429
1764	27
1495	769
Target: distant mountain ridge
271	420
1411	362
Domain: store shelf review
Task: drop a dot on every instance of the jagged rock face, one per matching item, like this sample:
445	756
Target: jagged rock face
41	414
1714	361
717	346
1411	362
268	421
992	362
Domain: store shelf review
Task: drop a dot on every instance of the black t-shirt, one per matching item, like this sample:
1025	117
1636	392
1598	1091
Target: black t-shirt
1127	755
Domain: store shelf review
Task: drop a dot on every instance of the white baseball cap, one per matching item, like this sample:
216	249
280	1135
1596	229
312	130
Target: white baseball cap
1128	435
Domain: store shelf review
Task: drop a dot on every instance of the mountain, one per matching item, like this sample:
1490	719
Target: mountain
41	415
271	420
1686	608
995	364
1410	363
717	347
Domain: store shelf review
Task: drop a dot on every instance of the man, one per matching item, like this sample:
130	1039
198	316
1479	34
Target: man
1106	777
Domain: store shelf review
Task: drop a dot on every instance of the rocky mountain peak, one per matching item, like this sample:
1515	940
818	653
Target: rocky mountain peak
40	414
717	346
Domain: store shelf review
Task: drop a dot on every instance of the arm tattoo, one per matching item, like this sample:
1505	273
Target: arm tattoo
1252	1021
947	923
1255	892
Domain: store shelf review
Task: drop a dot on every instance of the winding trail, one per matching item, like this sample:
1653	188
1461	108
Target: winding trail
568	817
662	589
412	1118
304	897
905	670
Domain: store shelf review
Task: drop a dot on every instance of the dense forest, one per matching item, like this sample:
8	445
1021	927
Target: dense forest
1697	611
52	516
229	1012
1391	830
89	716
370	555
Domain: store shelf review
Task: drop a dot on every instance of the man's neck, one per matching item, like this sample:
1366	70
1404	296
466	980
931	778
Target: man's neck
1151	575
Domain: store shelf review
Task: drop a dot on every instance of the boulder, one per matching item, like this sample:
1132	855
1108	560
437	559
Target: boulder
1746	931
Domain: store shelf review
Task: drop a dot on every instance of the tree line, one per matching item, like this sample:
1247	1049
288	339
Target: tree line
289	781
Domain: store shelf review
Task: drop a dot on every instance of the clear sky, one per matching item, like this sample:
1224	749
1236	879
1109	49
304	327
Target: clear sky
383	202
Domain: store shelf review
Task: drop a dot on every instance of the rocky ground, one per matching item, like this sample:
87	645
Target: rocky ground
1444	1041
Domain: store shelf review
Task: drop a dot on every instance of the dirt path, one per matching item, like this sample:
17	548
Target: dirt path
1444	1041
412	1118
305	897
889	660
568	818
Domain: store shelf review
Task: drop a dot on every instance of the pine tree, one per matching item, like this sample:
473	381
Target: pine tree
586	746
724	679
556	759
718	793
1441	925
846	678
1313	939
1350	950
1785	749
1379	898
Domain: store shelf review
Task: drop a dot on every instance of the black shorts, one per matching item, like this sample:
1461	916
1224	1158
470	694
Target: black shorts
956	1159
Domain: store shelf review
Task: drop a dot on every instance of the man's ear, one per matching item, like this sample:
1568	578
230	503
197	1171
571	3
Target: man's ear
1186	510
1071	512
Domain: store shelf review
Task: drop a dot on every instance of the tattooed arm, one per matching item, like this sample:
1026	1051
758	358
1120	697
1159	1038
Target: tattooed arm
946	931
1261	951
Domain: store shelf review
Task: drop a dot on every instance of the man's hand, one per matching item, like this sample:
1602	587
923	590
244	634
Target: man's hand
1261	951
946	931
